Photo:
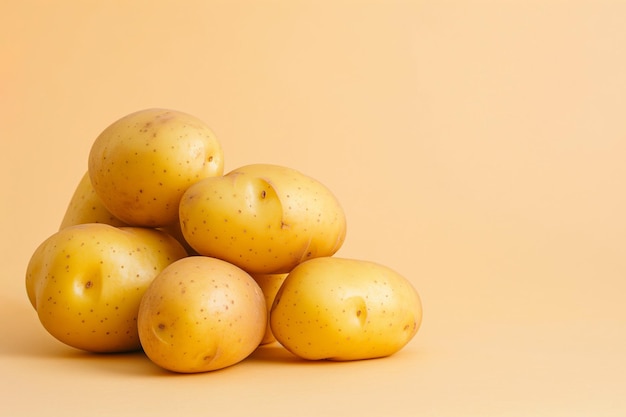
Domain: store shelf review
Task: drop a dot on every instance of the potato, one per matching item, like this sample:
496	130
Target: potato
141	164
174	230
345	309
201	314
86	281
263	218
269	283
86	207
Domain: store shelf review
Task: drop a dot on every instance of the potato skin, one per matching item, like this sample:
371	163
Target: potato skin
141	164
86	282
345	309
201	314
264	218
270	284
86	207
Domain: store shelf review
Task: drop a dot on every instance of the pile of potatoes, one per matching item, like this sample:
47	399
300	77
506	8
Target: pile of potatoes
160	250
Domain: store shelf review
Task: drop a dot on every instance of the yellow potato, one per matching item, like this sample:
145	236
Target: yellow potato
263	218
201	314
345	309
174	230
86	207
86	282
141	165
269	283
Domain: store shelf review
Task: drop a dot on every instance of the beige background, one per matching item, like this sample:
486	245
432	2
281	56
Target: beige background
477	147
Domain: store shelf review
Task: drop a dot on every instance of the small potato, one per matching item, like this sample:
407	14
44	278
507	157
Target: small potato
141	165
201	314
86	282
86	207
174	230
344	309
264	218
269	283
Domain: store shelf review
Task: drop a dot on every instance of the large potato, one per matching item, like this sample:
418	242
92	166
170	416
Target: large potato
86	207
86	282
263	218
201	314
141	165
345	309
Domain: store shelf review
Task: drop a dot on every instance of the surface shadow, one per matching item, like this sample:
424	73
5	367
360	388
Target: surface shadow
135	364
276	353
273	352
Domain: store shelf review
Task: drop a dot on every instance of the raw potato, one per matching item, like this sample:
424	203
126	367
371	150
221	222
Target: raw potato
345	309
141	165
174	230
270	284
263	218
201	314
86	282
86	207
